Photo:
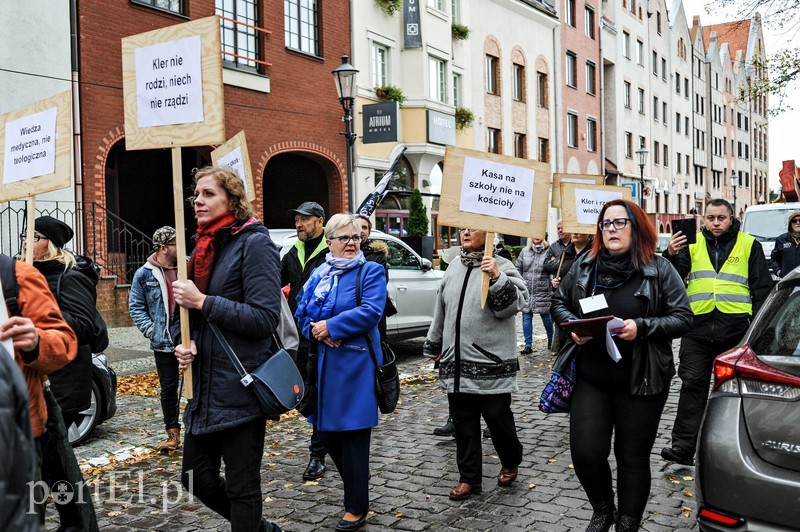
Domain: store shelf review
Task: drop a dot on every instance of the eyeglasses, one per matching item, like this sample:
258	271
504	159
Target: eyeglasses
344	239
618	224
36	238
796	220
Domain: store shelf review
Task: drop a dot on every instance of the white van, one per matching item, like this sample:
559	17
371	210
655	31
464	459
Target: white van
768	222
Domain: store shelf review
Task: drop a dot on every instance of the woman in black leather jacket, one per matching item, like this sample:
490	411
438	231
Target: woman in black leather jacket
627	397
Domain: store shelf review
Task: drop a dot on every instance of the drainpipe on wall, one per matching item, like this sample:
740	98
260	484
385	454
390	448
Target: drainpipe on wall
76	124
602	101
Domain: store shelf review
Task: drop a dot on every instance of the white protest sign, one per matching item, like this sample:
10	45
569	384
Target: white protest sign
589	202
235	162
496	189
169	83
581	204
30	146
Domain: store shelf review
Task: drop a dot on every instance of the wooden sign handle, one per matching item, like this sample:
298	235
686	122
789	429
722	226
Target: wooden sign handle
180	245
560	263
30	229
488	249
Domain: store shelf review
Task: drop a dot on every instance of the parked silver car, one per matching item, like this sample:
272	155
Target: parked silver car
748	457
413	284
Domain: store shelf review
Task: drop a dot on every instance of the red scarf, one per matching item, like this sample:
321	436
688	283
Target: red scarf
202	259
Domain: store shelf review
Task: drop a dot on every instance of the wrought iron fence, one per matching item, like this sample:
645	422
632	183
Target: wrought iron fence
115	245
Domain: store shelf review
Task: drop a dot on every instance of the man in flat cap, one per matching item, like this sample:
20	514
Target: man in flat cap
296	266
151	306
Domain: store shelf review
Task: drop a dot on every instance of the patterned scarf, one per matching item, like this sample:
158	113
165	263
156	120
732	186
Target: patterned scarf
472	258
202	259
319	293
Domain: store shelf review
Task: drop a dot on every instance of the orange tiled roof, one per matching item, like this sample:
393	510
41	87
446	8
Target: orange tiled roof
734	33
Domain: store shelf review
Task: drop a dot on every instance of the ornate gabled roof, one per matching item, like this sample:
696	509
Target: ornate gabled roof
736	34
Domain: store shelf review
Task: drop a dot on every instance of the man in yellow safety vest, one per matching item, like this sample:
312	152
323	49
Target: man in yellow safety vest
728	280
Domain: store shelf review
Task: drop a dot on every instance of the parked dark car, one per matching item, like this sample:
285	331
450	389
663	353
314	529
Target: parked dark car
104	400
748	457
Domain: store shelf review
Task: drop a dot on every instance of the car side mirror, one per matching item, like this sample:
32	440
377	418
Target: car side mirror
426	265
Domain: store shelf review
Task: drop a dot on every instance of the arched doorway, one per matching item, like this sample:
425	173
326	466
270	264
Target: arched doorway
289	180
139	200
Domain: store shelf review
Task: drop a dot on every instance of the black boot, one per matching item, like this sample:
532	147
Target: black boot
603	516
448	429
627	523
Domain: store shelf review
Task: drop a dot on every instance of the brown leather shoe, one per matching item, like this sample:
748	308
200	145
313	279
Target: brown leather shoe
173	441
507	476
464	490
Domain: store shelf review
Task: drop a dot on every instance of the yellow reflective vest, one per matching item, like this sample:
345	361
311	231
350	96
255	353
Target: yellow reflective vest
727	290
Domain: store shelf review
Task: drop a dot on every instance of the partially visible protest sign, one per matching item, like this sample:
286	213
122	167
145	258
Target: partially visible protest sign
233	154
581	204
36	141
586	179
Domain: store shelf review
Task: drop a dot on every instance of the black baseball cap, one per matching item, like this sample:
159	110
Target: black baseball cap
309	208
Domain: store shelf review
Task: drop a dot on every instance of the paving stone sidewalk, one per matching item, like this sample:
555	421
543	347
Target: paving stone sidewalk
412	470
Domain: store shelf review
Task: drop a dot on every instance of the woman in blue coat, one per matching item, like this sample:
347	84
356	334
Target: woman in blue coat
328	314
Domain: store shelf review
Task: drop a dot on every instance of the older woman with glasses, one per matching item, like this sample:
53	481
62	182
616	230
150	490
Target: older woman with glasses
476	350
621	277
338	310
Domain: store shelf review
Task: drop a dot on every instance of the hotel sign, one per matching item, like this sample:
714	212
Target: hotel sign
412	36
441	128
379	122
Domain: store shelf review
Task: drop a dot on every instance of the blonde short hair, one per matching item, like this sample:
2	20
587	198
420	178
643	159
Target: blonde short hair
340	220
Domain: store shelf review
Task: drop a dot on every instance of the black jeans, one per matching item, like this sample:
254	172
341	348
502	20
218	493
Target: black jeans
466	410
168	378
53	471
349	450
237	496
696	362
317	448
596	413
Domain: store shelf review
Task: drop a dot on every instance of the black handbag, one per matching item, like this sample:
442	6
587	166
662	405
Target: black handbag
387	380
308	404
276	383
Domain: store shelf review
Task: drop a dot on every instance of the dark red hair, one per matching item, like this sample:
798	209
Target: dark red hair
643	234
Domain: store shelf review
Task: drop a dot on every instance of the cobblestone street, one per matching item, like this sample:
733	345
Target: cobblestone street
412	470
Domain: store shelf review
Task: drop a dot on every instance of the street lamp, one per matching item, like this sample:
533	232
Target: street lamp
641	153
345	78
734	182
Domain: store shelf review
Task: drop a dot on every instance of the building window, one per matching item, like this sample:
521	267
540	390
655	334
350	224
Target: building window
589	22
664	113
628	145
626	94
492	140
492	85
664	69
544	150
455	10
677	83
569	12
677	122
174	6
666	155
686	124
656	152
436	4
438	84
626	44
655	63
572	130
380	65
520	146
541	87
678	163
641	101
301	20
519	83
655	108
591	78
686	88
591	134
658	22
457	90
572	70
642	142
640	53
239	42
686	166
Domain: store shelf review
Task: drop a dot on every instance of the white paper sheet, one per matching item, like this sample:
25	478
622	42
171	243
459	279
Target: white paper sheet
611	347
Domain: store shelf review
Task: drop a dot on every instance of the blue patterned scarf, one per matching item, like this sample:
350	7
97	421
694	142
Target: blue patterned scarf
319	293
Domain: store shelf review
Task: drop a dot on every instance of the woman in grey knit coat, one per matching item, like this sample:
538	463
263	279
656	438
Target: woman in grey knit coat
476	350
530	264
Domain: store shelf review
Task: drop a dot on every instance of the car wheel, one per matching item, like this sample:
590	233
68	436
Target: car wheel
87	419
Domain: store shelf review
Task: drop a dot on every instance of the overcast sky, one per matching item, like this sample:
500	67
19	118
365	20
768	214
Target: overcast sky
783	129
